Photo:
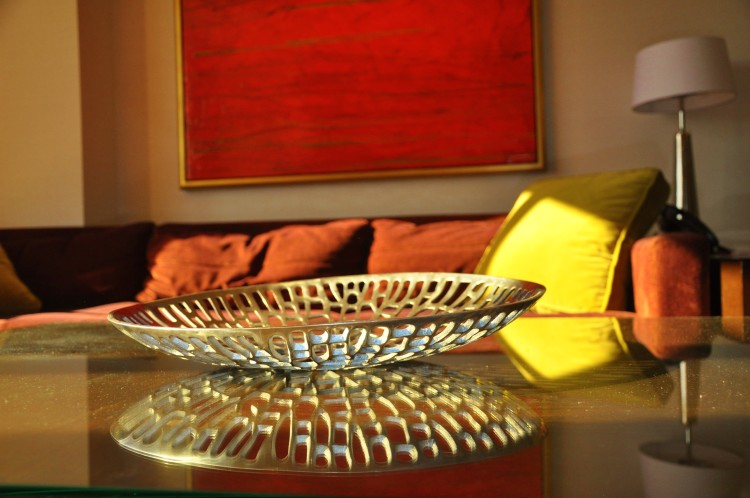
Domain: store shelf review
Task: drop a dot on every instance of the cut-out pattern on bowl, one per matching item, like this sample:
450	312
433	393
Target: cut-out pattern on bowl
398	417
330	323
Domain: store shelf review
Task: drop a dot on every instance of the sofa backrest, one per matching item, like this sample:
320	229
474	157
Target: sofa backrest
76	267
188	258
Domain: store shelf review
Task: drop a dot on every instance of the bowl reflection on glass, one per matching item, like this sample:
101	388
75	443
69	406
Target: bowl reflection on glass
412	415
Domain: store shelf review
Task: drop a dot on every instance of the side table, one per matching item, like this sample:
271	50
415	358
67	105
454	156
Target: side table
734	282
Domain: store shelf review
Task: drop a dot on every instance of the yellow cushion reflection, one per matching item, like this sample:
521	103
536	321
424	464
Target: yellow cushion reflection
545	349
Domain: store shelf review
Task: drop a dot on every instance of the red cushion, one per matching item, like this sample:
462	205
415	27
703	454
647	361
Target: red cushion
441	246
75	267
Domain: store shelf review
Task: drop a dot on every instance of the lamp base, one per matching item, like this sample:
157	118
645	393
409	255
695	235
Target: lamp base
715	473
674	219
684	174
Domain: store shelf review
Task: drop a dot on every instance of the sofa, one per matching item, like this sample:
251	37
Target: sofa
80	274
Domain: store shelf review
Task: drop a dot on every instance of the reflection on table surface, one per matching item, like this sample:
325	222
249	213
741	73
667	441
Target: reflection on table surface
378	419
601	386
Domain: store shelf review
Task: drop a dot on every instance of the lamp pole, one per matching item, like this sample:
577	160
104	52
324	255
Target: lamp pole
685	197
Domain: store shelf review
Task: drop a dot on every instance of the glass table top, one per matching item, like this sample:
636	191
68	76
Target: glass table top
596	406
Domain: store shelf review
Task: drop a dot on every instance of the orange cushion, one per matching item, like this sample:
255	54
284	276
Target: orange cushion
441	246
186	259
310	251
184	264
671	275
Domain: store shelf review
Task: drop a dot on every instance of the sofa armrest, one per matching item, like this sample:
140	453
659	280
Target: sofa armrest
671	275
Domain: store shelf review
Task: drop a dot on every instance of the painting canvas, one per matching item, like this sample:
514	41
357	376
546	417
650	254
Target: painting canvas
306	90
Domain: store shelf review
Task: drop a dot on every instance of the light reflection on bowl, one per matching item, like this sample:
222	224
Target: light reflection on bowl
330	323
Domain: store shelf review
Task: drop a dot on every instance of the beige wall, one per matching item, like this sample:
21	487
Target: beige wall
589	48
40	119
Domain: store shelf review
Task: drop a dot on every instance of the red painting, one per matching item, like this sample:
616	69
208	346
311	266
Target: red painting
293	90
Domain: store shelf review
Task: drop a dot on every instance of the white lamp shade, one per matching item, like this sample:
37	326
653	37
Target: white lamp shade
696	69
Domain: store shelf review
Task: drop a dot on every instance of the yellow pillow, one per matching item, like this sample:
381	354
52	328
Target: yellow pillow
573	235
15	297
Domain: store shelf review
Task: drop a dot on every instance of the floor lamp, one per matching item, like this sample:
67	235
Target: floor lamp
676	76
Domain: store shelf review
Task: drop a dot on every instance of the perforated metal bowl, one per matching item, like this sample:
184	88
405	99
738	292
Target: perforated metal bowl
330	323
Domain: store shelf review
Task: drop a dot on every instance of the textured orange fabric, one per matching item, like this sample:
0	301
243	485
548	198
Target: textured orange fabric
311	251
671	275
185	265
186	259
444	246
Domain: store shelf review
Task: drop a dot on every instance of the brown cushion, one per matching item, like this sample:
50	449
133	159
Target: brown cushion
310	251
184	262
443	246
70	268
15	297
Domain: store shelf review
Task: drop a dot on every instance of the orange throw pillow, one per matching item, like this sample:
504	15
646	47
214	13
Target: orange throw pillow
187	264
310	251
441	246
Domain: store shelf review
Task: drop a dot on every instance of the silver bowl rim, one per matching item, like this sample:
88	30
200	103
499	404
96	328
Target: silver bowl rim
536	290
